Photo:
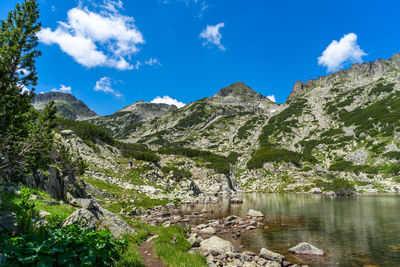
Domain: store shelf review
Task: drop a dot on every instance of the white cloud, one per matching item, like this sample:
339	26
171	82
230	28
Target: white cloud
272	98
339	53
152	62
168	100
107	38
212	35
105	85
63	89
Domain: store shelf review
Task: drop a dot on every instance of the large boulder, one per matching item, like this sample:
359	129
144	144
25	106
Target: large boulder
272	256
100	218
305	248
216	245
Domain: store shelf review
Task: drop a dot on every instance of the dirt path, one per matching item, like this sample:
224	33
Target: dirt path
148	256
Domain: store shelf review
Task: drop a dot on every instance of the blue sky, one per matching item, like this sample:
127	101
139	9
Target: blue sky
112	53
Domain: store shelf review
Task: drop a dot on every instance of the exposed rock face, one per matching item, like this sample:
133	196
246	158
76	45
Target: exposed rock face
305	248
216	245
241	90
95	216
56	185
67	105
298	88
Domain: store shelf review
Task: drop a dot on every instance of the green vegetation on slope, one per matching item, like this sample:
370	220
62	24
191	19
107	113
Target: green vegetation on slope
85	130
384	114
218	163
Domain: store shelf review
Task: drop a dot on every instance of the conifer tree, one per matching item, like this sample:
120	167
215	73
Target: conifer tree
25	135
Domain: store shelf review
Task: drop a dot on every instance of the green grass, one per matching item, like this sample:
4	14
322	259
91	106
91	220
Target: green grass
171	245
123	196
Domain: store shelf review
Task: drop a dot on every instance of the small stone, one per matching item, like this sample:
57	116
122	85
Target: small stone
166	224
249	228
43	213
269	255
305	248
66	133
8	221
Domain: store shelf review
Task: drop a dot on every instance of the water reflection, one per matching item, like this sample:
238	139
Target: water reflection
352	231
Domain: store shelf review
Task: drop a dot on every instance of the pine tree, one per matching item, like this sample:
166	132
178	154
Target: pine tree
25	135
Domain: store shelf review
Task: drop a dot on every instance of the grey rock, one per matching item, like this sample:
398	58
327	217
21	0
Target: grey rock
216	245
255	213
194	240
8	221
305	248
316	190
67	133
208	231
272	256
102	219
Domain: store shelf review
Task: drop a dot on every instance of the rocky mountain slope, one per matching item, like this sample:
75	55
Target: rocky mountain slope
339	133
127	119
68	106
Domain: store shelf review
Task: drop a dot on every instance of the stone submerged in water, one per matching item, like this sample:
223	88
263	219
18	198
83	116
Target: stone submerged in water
307	249
254	213
273	256
217	245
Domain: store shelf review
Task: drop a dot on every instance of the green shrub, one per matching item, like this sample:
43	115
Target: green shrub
281	122
63	246
248	126
85	130
178	173
139	155
380	88
385	113
335	185
196	116
269	154
131	146
341	166
219	163
393	155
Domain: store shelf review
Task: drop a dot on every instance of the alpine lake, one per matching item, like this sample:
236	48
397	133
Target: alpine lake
352	231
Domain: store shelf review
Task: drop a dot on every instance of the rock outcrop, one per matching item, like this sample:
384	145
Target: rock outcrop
92	215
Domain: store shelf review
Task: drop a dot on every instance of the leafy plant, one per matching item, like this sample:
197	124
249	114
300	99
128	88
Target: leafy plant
63	246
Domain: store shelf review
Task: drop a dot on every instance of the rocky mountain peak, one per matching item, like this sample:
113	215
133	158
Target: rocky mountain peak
239	89
68	105
356	75
142	105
